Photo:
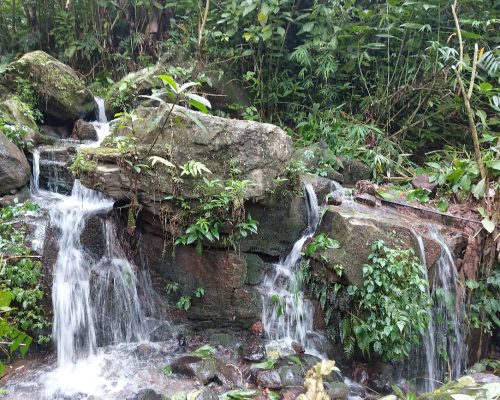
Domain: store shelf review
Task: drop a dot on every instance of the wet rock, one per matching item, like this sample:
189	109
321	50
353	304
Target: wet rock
20	196
255	269
260	151
14	168
225	340
291	375
61	93
381	376
207	394
84	130
336	198
147	394
485	377
354	170
257	328
268	379
145	351
422	182
291	393
298	348
357	227
204	369
253	350
231	374
366	199
337	390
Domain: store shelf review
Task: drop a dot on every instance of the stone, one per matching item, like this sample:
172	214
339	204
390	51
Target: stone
207	393
125	92
291	375
226	340
12	199
14	168
381	377
291	393
354	170
61	93
298	348
255	269
84	130
259	151
203	369
422	182
227	301
231	374
145	351
146	394
357	227
253	350
17	114
366	199
268	379
337	390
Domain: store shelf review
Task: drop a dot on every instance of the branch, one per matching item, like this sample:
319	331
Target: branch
472	124
474	66
459	33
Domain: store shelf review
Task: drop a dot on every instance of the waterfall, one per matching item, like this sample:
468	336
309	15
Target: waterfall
443	353
101	126
35	177
287	315
448	311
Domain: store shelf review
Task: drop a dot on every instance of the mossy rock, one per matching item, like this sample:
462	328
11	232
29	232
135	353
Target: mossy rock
124	93
16	113
61	94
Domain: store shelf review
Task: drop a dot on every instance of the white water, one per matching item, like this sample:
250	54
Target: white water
448	312
96	303
445	331
287	314
101	126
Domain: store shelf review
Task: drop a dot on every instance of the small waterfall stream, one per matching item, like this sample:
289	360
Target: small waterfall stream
444	353
287	314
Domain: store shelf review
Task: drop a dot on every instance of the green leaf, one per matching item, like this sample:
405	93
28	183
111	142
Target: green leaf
205	351
280	31
268	364
488	224
479	189
443	205
307	27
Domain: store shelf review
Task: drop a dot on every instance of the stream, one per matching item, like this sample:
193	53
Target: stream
104	313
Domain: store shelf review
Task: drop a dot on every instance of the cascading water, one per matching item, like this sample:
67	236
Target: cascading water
101	126
287	314
444	350
448	312
95	299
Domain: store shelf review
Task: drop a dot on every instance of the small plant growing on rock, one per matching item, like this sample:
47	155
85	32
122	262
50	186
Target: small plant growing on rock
391	305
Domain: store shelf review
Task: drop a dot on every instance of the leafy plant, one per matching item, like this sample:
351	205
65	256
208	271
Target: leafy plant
184	303
321	242
205	351
390	307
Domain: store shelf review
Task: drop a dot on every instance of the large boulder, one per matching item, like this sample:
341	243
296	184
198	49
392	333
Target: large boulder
20	118
14	168
258	151
61	94
124	93
356	227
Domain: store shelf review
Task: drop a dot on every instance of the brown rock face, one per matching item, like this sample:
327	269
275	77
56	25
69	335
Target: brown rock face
14	168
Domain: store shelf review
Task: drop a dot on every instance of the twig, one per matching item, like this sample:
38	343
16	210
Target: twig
473	74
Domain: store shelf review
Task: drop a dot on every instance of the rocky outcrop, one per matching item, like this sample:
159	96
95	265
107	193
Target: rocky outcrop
357	227
14	168
123	94
61	93
227	300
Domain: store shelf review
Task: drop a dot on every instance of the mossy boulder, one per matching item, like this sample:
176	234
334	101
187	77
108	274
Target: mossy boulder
124	93
258	152
17	114
61	93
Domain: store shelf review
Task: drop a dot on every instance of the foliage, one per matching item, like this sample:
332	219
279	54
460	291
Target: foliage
9	335
321	242
205	351
15	134
20	276
484	308
391	306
